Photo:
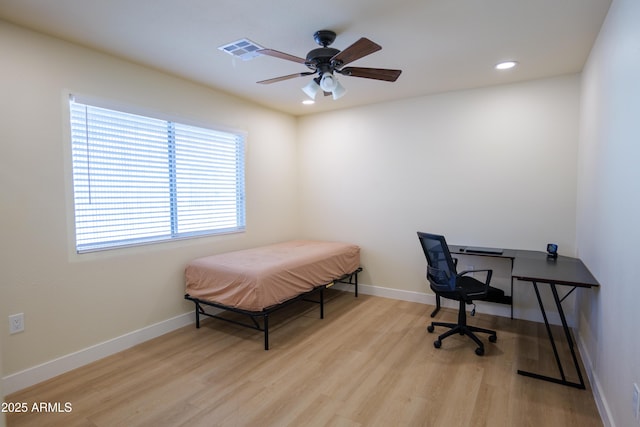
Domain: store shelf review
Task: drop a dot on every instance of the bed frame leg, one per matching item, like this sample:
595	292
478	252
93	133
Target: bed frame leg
355	284
322	303
266	331
198	308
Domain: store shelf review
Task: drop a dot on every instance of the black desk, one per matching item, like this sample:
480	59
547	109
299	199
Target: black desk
536	267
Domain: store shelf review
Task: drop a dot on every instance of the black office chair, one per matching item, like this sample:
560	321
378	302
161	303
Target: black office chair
446	282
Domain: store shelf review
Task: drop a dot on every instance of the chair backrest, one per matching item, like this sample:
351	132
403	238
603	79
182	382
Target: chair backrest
441	270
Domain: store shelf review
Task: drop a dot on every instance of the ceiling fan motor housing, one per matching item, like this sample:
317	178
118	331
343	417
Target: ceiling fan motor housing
320	58
324	37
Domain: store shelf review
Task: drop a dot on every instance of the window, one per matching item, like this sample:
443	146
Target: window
139	179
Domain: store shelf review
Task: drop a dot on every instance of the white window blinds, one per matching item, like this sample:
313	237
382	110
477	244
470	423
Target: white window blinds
139	179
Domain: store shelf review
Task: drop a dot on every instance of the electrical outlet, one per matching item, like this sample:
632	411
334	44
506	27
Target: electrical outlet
636	401
16	323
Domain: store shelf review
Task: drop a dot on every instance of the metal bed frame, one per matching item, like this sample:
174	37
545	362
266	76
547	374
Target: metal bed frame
349	278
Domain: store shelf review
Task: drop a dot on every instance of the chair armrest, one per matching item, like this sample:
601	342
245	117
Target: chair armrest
488	271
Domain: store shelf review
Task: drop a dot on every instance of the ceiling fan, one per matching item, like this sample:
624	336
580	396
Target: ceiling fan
327	61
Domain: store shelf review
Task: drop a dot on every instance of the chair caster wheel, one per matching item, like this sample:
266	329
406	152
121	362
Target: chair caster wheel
480	351
430	328
437	343
493	338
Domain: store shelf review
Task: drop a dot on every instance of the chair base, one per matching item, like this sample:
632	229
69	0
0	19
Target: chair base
463	329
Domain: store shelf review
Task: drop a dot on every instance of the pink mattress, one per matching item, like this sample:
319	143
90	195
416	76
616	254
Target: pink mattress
258	278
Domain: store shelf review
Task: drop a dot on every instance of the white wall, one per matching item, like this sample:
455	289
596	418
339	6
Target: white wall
488	167
72	302
608	231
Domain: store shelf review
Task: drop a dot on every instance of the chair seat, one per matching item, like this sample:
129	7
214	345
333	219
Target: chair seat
468	287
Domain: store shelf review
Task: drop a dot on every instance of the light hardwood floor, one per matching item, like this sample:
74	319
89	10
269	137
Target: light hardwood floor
370	362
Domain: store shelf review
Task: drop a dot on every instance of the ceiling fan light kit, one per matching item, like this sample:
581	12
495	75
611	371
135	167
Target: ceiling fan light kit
339	91
326	62
311	89
328	82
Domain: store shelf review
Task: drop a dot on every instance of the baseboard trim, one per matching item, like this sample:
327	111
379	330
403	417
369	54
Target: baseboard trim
423	298
34	375
596	387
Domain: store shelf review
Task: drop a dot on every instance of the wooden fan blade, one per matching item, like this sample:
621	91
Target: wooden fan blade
359	49
281	55
281	78
372	73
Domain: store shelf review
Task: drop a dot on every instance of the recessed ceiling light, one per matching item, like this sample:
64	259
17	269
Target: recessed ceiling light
308	102
505	65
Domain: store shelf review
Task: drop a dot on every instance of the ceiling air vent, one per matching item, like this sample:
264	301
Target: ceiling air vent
244	49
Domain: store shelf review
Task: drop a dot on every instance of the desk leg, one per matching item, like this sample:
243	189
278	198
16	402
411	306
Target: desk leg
512	296
567	332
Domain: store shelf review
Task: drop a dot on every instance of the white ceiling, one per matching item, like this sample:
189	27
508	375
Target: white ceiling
441	45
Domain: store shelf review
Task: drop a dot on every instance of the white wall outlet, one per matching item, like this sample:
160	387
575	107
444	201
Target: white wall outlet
16	323
636	401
